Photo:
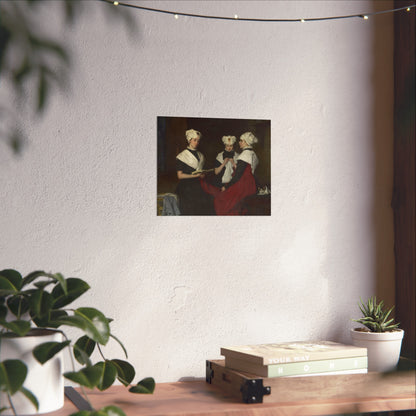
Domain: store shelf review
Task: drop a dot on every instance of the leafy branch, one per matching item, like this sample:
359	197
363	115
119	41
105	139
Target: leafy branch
33	61
39	301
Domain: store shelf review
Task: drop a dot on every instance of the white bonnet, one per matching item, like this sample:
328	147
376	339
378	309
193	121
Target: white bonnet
249	138
191	134
229	140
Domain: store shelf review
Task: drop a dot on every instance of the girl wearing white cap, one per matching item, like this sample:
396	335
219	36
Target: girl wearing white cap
192	199
226	161
228	201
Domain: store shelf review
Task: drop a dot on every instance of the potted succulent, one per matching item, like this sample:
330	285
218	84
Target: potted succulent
34	310
380	335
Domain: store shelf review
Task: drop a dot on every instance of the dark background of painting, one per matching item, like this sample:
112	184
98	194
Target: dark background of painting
171	141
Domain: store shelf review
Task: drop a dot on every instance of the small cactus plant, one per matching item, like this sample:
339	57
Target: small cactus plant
375	318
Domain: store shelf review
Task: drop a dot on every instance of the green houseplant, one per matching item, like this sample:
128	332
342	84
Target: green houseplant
40	302
380	334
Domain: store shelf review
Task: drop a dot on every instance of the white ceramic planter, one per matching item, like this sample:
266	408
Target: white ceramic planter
383	348
44	381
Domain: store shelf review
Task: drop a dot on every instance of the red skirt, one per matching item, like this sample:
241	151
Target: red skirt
229	202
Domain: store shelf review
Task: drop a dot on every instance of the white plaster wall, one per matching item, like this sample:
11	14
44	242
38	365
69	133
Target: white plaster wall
82	197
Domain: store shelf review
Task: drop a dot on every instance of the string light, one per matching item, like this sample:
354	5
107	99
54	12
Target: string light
245	19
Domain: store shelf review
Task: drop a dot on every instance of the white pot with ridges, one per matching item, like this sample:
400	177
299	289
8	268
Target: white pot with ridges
383	348
381	335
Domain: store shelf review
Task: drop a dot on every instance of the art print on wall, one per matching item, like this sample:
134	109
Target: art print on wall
213	166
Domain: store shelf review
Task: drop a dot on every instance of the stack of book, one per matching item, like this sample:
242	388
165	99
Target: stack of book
296	359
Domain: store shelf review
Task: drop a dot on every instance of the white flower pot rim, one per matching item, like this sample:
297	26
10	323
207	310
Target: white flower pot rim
34	332
360	333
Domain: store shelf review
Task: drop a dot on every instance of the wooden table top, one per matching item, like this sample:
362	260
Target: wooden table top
198	398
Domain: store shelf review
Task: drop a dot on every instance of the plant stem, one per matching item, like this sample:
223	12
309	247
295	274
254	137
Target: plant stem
19	310
9	398
101	353
73	369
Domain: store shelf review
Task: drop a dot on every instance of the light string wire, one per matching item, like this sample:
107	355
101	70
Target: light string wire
247	19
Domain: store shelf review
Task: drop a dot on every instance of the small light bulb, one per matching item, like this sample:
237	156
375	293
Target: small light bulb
176	16
365	17
408	9
302	20
235	16
115	3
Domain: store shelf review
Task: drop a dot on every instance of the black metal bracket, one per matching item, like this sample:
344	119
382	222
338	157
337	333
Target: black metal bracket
209	372
77	399
253	391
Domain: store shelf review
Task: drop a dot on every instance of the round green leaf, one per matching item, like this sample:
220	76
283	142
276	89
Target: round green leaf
54	316
30	396
45	351
75	321
13	277
91	321
12	375
18	327
75	288
51	278
7	287
61	280
3	312
88	377
110	411
18	305
145	386
97	327
125	371
31	277
83	349
108	374
40	303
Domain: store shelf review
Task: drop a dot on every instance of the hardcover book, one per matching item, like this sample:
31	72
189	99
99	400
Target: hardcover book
331	373
292	352
299	368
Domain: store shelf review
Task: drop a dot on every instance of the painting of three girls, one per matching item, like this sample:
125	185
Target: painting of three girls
214	172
